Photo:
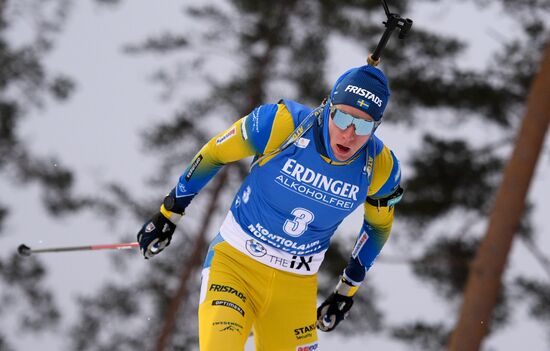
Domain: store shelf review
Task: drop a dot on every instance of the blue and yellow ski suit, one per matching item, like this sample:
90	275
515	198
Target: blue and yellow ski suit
260	270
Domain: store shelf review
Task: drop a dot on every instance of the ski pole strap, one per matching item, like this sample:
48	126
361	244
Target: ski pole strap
387	201
302	128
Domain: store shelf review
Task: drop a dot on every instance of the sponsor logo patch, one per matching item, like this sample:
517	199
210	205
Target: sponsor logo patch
227	289
228	135
282	243
298	262
320	188
319	181
255	248
150	227
193	167
310	347
256	120
228	304
304	332
302	262
228	326
364	93
370	163
302	143
359	244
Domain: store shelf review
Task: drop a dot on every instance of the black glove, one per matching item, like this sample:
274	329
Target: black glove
332	311
155	235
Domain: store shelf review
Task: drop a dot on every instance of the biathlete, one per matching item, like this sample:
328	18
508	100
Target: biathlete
311	169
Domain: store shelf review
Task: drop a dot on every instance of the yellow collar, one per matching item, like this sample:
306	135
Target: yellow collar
338	163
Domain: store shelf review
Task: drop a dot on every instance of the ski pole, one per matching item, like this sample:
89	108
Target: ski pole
394	21
24	250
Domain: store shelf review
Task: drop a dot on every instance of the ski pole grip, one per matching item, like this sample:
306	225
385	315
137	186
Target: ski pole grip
394	21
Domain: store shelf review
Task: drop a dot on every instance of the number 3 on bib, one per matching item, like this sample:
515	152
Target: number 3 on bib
298	225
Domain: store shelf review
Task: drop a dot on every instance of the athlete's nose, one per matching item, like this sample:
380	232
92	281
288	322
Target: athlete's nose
349	132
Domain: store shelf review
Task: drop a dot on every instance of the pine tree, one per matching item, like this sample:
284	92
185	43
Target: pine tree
25	85
246	53
486	272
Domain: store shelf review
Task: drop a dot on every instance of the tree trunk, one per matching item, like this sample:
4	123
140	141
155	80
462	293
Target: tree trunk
255	93
484	281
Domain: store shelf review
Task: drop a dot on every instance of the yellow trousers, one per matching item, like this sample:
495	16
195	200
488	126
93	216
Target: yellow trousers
239	293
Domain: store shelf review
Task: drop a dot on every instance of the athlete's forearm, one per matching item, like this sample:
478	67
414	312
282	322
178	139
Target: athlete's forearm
374	234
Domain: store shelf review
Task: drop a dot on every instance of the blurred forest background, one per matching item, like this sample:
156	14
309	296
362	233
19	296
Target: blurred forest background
79	170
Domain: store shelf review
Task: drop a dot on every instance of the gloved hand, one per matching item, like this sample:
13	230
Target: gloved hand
332	311
155	235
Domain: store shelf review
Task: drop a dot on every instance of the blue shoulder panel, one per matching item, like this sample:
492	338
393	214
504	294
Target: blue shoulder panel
258	125
298	111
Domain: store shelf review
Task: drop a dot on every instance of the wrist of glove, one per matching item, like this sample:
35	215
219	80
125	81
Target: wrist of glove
336	307
155	235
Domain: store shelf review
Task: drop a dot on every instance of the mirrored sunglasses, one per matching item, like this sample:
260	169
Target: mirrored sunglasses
344	120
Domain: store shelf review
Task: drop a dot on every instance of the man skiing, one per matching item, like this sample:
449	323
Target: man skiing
311	169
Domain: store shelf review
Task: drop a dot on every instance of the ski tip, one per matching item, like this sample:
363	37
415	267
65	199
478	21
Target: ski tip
24	250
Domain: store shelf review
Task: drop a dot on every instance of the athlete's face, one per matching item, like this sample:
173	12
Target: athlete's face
345	142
